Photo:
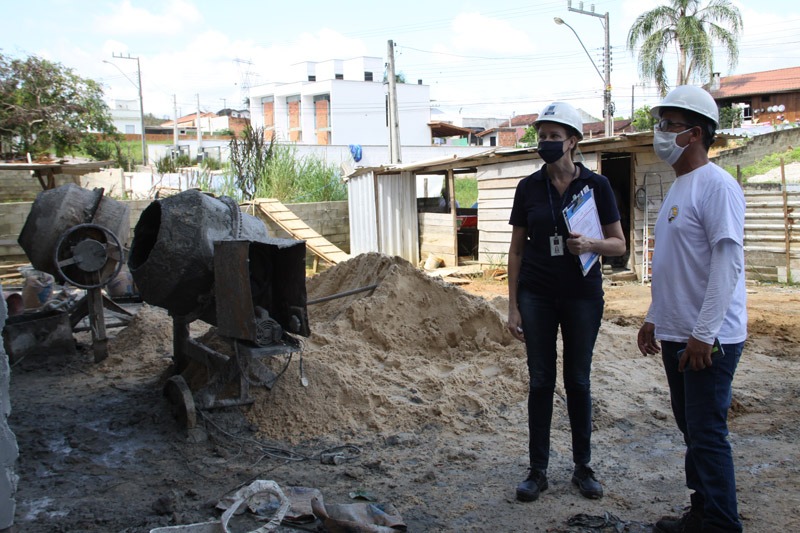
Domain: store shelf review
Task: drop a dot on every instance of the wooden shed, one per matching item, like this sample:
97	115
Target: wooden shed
640	181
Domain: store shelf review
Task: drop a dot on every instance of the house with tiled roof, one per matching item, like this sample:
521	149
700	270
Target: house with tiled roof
768	97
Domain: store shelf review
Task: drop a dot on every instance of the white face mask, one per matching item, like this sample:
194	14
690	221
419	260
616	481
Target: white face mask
666	146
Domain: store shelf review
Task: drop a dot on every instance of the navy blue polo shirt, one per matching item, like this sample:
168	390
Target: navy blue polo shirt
542	273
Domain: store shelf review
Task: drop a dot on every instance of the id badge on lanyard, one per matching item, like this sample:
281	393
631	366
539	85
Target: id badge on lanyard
556	245
556	241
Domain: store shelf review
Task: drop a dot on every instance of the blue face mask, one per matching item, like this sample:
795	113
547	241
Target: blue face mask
551	151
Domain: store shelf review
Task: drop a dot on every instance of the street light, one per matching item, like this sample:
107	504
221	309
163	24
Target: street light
607	105
141	103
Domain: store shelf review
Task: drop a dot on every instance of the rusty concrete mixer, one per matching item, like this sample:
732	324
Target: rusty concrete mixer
201	258
78	235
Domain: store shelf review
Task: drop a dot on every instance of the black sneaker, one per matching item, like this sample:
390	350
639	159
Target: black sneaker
691	522
529	490
583	477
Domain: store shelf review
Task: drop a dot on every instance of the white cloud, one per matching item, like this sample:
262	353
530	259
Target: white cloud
474	32
127	19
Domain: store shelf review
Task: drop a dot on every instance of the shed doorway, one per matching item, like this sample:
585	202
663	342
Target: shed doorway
618	168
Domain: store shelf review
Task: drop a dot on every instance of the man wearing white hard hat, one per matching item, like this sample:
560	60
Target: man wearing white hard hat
548	290
698	311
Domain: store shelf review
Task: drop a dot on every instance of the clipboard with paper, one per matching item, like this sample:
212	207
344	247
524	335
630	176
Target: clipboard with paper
581	217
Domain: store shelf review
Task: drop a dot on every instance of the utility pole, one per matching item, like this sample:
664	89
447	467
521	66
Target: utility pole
199	130
141	102
608	107
394	120
175	121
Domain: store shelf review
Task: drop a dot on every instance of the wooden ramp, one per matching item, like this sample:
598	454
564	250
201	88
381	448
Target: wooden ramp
288	221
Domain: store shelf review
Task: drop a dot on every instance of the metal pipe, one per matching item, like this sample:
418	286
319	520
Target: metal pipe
341	294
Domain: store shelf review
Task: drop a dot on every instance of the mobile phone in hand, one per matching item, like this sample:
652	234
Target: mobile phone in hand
716	348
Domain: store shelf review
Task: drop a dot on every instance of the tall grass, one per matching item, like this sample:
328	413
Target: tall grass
294	179
466	191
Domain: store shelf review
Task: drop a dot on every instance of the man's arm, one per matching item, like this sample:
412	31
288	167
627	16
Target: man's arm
727	264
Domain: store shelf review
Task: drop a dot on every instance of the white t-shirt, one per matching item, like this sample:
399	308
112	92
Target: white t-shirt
702	208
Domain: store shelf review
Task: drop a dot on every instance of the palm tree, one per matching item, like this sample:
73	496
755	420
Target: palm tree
692	30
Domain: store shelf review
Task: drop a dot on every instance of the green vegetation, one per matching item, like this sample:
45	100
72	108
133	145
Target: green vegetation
168	164
530	137
643	120
693	30
266	169
45	105
209	163
466	191
767	163
107	148
730	117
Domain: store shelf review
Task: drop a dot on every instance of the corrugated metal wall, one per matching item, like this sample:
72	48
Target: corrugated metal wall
393	228
361	204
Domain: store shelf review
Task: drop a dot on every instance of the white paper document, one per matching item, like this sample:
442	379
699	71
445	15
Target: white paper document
581	217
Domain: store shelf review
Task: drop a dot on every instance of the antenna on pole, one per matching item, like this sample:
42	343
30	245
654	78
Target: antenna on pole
243	66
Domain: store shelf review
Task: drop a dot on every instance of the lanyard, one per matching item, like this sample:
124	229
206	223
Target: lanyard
550	198
552	208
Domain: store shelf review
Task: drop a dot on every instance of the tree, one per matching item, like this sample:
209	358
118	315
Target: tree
530	137
44	105
152	120
730	117
643	120
692	30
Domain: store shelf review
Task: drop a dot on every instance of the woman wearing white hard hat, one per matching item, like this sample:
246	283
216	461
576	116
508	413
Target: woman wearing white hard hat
548	290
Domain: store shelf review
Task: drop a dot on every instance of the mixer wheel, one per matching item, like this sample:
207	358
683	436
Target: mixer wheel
88	256
180	396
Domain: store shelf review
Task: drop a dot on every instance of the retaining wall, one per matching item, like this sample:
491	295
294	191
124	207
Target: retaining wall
329	219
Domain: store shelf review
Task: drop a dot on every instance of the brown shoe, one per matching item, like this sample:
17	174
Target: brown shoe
691	522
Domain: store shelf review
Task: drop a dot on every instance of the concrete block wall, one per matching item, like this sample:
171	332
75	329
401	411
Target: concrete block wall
12	218
9	451
329	219
20	186
759	147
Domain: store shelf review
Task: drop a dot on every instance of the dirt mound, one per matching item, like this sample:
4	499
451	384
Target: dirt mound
412	352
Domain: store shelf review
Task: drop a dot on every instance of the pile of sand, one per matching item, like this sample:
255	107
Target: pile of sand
415	351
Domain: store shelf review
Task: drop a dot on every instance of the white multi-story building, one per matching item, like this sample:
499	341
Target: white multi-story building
126	116
340	102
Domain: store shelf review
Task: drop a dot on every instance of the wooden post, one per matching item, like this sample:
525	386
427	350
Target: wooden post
739	174
786	225
451	193
97	324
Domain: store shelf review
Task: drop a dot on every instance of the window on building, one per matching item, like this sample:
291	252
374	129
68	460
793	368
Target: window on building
492	141
765	98
340	76
311	77
130	129
367	76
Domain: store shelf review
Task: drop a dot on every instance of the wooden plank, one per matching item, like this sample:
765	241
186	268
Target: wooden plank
288	221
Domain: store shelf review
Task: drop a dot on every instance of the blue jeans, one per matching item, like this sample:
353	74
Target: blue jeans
579	321
700	402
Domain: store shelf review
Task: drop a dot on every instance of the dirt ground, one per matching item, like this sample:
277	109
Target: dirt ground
426	391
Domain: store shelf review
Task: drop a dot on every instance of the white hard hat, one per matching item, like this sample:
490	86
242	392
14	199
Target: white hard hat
691	98
561	113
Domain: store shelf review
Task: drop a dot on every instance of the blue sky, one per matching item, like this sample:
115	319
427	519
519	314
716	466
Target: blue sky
479	58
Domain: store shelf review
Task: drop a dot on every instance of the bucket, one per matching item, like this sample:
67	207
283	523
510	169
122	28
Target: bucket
37	289
57	210
433	262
